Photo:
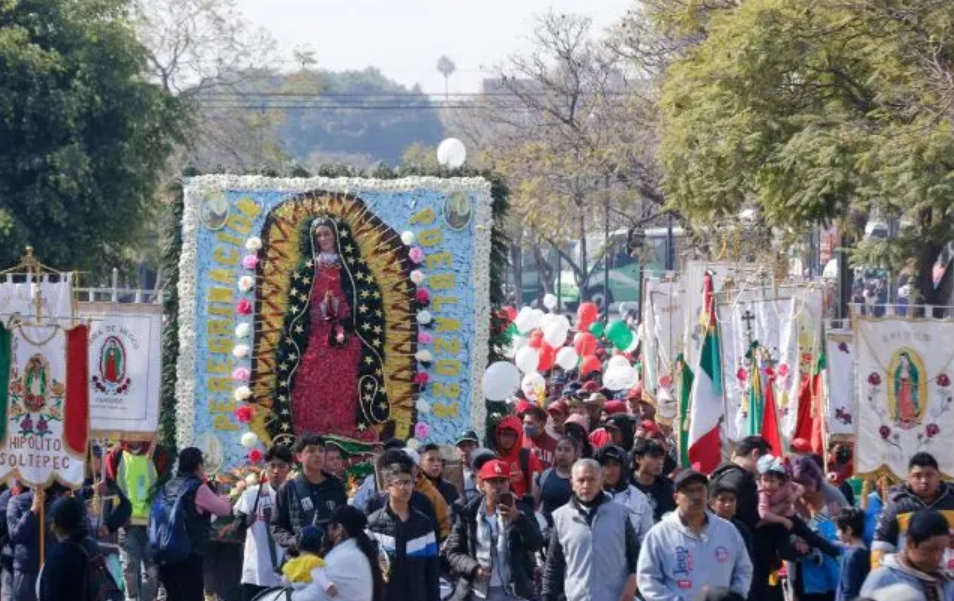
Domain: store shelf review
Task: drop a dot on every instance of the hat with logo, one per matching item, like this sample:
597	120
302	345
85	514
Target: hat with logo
494	468
467	436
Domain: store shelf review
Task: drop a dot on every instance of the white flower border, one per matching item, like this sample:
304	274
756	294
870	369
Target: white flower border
197	188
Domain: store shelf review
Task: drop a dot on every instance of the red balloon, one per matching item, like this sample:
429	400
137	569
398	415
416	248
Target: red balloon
586	314
585	344
589	364
547	357
536	339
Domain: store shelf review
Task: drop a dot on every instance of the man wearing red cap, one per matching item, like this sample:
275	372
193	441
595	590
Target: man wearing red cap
558	411
493	541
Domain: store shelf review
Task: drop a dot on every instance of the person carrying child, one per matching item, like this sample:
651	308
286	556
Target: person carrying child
308	567
777	497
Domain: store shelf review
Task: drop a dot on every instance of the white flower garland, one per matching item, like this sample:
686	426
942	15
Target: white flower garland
198	188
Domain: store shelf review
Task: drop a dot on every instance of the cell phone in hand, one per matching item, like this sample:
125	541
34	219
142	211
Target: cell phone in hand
507	499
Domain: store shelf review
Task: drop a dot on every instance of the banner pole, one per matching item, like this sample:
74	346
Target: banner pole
42	526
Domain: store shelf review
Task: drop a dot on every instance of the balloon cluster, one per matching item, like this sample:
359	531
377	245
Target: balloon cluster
541	341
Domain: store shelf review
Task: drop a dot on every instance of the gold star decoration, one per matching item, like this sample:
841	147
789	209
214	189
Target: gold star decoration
283	366
378	313
369	386
294	308
306	280
382	405
368	398
292	357
369	360
299	329
378	373
377	342
362	427
377	329
376	294
362	308
365	326
285	427
309	263
296	275
344	233
349	249
365	294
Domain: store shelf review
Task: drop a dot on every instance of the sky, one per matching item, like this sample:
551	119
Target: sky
404	38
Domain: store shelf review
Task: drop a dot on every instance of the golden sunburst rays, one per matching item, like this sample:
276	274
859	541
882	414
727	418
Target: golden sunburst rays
382	253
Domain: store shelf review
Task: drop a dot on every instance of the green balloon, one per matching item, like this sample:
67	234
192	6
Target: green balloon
623	340
619	334
597	327
510	332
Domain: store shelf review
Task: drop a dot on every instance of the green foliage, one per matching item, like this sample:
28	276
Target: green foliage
813	112
85	138
172	248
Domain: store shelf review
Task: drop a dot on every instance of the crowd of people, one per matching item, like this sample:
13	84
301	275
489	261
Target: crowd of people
581	501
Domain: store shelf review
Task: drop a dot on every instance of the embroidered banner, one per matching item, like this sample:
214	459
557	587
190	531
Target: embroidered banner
45	405
776	333
841	401
125	361
903	379
663	341
55	297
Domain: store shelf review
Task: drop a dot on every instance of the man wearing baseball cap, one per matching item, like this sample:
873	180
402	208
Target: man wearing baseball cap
691	549
493	541
466	442
615	463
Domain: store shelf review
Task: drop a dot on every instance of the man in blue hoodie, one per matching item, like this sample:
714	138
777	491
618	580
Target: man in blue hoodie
692	549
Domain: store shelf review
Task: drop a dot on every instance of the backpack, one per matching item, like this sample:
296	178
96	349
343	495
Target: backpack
168	535
99	584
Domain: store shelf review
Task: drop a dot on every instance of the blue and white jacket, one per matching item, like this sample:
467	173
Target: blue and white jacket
411	548
676	563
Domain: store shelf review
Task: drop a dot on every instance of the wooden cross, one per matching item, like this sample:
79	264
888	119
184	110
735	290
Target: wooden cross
748	317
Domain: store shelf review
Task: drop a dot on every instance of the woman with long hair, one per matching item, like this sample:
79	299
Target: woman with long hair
351	561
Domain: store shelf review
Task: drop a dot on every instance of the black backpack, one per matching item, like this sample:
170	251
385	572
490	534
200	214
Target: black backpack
98	584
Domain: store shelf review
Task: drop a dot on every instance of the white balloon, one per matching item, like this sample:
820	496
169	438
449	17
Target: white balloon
451	153
632	345
550	301
554	333
567	357
501	381
633	378
527	359
617	361
548	319
522	320
533	385
616	378
536	318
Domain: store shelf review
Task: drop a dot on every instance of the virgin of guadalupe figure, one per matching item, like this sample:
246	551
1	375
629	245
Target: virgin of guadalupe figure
332	367
112	371
906	380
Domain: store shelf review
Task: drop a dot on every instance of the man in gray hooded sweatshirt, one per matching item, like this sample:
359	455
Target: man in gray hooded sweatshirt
692	549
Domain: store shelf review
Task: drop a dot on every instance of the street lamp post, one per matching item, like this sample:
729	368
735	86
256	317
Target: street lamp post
635	241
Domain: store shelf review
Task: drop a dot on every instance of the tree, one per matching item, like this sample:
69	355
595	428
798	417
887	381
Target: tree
85	137
568	127
816	113
207	54
446	67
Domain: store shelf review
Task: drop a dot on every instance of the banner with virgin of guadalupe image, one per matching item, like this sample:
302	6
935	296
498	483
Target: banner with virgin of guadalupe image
125	361
905	398
44	404
663	341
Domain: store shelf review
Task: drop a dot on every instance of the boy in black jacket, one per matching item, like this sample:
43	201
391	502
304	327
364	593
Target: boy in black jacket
503	570
408	539
309	499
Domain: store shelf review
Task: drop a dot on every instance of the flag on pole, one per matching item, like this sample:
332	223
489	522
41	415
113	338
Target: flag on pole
706	411
685	391
755	400
770	430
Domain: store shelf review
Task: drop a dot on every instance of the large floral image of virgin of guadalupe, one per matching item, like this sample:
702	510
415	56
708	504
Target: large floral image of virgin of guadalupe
335	333
334	366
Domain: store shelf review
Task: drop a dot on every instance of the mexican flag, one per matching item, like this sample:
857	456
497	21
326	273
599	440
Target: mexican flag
706	410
